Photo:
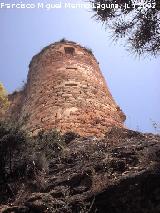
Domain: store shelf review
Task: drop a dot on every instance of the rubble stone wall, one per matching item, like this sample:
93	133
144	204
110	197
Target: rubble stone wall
66	90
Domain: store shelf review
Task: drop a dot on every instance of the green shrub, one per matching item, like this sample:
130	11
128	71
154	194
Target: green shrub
12	142
63	40
50	143
89	50
70	136
25	159
4	103
23	155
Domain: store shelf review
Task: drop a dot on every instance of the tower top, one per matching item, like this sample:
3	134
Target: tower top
66	46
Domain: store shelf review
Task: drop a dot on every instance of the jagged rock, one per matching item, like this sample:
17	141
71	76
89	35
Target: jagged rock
117	174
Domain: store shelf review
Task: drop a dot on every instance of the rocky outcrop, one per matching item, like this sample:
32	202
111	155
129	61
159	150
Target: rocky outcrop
118	174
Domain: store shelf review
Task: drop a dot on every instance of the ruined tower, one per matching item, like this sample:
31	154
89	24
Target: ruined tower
66	90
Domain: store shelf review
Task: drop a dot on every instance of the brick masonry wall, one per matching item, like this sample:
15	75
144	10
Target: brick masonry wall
66	90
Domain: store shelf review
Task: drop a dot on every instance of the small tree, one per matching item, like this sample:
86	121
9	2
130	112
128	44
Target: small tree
137	22
4	103
12	143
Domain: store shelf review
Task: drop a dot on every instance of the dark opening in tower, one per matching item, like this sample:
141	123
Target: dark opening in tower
69	50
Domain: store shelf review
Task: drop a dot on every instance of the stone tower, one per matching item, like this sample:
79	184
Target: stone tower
66	90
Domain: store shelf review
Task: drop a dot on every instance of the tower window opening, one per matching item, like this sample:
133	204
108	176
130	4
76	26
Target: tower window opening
69	50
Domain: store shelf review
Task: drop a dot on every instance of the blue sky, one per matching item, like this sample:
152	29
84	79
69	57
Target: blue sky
133	83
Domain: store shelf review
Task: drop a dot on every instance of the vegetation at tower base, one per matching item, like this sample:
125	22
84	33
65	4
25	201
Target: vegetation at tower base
137	24
4	103
72	174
